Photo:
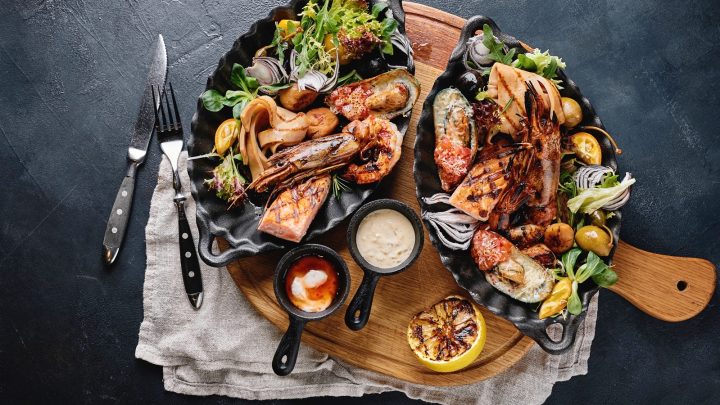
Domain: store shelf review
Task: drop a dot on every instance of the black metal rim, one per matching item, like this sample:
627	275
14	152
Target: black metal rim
307	250
370	207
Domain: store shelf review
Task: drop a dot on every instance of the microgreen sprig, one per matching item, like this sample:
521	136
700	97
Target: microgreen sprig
248	87
339	185
593	268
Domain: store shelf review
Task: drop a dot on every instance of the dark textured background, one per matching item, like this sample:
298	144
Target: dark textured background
71	73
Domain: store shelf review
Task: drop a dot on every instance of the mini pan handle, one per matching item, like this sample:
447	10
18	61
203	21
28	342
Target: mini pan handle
205	250
358	311
538	331
286	354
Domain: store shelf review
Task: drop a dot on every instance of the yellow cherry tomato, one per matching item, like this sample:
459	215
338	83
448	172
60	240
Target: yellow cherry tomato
586	148
226	134
289	28
572	111
557	301
330	47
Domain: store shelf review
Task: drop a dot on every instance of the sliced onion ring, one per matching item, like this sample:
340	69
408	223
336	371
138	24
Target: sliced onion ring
590	176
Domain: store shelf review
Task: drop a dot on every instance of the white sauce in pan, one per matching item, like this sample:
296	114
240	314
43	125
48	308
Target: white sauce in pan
385	238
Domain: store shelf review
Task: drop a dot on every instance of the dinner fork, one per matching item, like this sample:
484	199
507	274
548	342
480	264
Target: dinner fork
170	134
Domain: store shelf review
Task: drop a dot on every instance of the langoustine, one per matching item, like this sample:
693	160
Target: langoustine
320	155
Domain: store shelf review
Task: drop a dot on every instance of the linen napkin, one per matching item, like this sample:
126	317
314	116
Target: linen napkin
225	348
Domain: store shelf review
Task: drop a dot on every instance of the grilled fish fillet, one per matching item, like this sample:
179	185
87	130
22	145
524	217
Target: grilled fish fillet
507	83
479	192
290	214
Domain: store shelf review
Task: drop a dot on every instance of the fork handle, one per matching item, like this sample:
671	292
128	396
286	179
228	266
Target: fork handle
118	220
192	278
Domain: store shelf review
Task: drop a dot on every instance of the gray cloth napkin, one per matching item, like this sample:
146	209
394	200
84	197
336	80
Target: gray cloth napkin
225	348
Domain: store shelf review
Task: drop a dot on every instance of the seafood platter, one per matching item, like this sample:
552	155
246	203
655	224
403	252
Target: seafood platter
294	129
514	178
518	183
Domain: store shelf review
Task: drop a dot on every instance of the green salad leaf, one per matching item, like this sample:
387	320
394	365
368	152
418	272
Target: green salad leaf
351	77
594	267
497	48
589	200
574	304
214	101
609	180
542	63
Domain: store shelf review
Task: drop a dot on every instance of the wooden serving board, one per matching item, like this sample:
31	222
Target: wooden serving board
669	288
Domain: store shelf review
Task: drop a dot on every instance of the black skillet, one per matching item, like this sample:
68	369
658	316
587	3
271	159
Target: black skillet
238	226
358	311
287	351
459	263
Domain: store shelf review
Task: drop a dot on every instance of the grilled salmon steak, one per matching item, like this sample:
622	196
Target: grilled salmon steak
289	216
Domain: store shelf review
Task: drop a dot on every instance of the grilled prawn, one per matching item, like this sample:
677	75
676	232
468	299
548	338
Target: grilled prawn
320	155
543	174
381	146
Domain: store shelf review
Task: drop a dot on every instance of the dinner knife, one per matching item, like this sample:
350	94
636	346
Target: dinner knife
118	220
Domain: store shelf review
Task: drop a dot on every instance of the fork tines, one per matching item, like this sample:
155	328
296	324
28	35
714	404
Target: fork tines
168	122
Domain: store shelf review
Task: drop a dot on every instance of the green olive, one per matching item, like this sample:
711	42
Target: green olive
598	218
594	239
572	111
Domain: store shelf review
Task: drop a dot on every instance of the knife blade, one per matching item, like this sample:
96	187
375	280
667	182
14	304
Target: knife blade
144	125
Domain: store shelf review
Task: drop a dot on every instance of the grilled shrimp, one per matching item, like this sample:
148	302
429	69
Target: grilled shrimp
381	146
316	155
543	132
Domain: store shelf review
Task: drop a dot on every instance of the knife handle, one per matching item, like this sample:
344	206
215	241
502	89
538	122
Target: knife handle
188	259
118	220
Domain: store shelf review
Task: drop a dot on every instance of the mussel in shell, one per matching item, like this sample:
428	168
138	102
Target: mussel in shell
385	96
510	270
456	137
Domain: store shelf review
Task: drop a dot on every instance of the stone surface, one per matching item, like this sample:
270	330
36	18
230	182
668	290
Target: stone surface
71	73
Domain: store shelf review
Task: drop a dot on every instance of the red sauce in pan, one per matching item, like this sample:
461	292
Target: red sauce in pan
311	283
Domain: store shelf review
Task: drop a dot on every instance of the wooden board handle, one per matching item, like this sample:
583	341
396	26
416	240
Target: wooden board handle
670	288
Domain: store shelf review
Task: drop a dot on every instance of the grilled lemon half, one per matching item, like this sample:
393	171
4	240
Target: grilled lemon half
449	335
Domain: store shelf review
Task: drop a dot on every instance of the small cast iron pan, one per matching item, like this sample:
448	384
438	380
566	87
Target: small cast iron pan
358	312
290	343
